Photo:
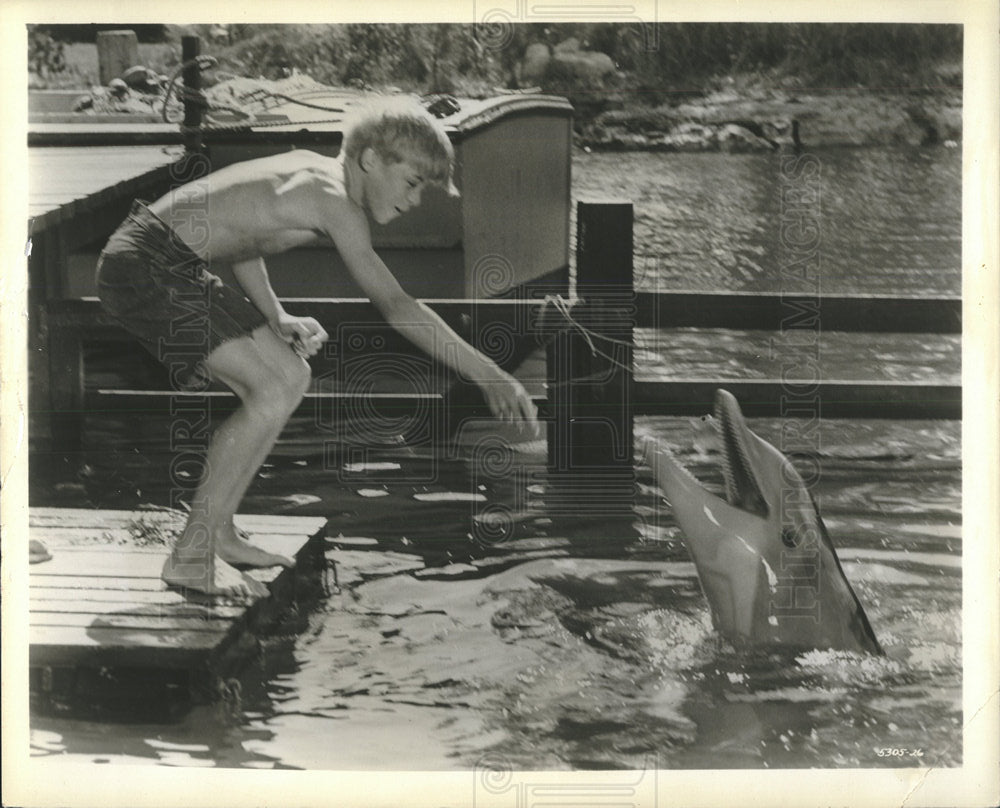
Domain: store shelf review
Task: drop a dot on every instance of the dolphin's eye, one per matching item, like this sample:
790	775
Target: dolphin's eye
788	537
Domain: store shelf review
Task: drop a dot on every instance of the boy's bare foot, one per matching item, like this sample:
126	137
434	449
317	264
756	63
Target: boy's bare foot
212	577
37	552
233	546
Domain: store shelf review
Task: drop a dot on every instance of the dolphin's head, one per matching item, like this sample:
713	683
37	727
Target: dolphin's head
764	558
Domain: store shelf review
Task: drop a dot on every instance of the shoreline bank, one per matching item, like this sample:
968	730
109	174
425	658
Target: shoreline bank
763	120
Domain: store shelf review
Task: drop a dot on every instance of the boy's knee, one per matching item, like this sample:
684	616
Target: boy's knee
277	394
292	383
300	377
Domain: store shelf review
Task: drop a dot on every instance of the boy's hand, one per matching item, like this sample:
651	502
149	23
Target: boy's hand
304	334
509	401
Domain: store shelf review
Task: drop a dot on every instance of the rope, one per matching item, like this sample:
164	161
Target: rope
292	100
203	63
561	305
249	118
257	124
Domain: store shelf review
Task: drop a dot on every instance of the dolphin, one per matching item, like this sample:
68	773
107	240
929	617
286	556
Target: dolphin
763	555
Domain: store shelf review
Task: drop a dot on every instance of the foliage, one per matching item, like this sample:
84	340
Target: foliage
655	63
46	55
426	58
693	55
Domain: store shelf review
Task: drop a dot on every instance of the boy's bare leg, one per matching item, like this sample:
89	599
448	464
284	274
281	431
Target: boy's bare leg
285	365
270	380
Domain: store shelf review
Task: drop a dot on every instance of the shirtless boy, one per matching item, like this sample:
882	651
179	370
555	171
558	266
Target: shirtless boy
162	253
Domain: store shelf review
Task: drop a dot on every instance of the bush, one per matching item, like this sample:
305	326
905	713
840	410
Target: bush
46	55
655	62
423	58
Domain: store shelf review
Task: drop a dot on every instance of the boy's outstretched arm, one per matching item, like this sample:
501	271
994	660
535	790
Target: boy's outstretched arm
505	396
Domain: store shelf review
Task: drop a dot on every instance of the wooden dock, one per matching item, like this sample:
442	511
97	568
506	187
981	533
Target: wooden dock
99	605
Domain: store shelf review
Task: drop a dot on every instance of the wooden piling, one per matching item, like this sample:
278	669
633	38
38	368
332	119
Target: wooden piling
194	100
117	51
591	369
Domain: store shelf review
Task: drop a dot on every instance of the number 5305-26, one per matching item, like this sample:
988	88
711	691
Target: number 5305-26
895	751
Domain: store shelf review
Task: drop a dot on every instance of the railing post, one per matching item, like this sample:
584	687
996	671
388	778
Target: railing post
591	370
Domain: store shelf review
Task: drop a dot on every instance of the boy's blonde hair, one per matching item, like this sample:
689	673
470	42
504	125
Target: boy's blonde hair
400	130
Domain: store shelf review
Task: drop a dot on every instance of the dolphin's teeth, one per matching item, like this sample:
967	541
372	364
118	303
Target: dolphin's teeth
729	443
742	490
669	457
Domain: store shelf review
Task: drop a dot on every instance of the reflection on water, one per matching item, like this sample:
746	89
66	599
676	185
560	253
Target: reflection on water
576	641
691	353
888	220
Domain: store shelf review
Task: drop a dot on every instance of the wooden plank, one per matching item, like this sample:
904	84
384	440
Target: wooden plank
130	564
123	539
108	638
101	587
328	407
520	314
839	398
79	179
57	591
429	413
111	537
790	399
775	311
742	310
77	646
76	583
100	601
60	196
155	621
76	135
118	563
95	517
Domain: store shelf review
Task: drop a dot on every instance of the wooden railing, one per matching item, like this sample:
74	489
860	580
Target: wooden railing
590	383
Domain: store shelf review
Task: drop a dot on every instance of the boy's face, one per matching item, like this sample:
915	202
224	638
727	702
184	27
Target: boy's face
391	189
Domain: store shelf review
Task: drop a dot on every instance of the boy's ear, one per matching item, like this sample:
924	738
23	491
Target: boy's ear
367	159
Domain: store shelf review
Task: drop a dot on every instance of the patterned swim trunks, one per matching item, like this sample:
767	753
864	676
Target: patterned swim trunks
161	291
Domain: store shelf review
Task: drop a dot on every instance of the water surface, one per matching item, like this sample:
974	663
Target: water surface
582	640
